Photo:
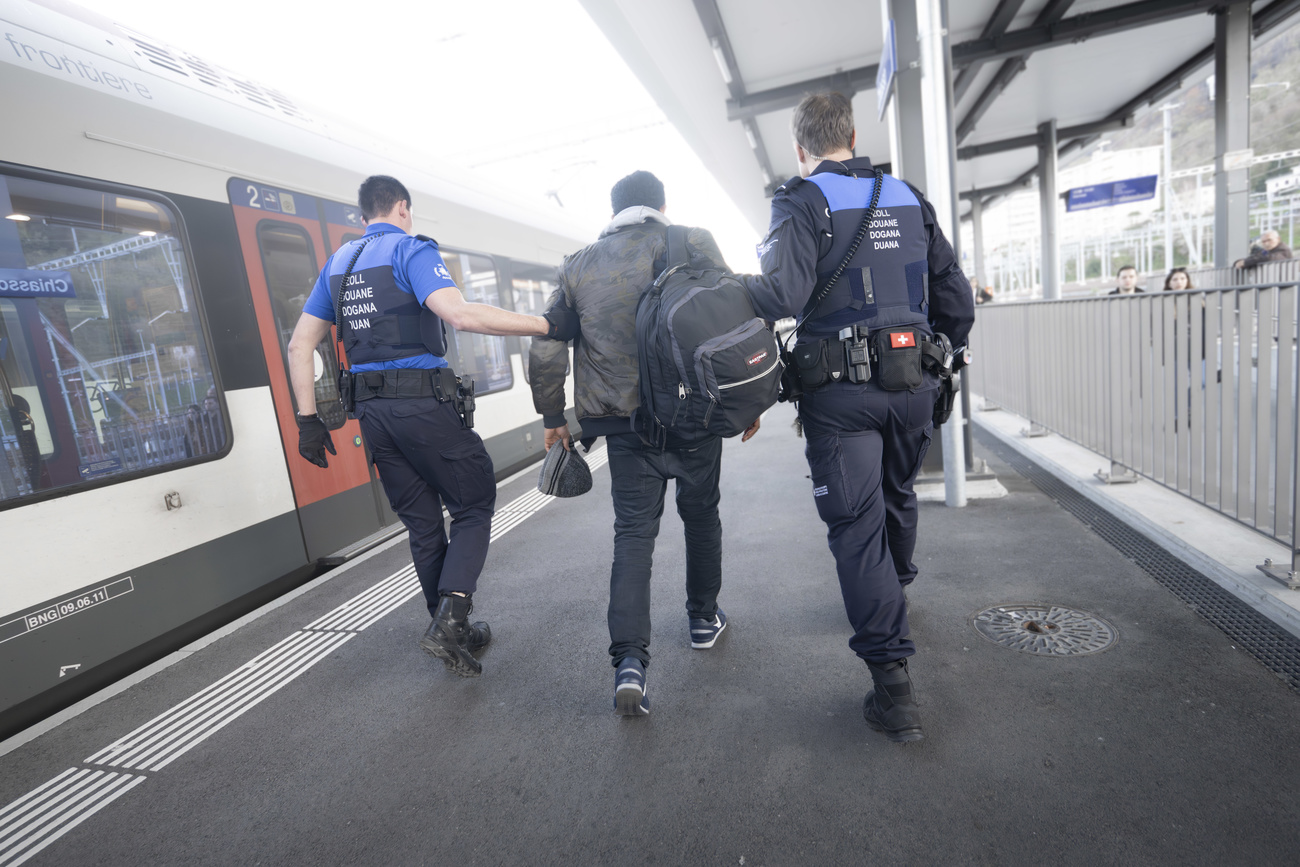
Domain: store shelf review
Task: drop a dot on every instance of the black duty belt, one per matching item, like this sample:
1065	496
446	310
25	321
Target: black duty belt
893	357
439	383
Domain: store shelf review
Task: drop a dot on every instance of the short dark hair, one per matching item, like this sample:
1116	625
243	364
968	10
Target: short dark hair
638	188
1123	268
379	194
823	123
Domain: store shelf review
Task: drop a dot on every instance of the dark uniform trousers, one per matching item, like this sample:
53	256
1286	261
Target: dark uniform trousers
639	480
425	458
865	446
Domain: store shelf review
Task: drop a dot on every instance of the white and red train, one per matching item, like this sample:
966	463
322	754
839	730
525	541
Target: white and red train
162	223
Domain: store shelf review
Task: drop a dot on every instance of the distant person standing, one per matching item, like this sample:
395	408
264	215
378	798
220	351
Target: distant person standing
1177	280
983	294
1127	276
1269	249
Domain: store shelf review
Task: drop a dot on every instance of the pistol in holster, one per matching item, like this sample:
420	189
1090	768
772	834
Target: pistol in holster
348	391
465	401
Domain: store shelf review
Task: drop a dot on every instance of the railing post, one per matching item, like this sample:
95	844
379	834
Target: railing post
1119	474
1287	351
1027	337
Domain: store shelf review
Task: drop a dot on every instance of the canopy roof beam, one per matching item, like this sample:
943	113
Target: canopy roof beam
1037	37
997	24
711	19
1077	28
1051	13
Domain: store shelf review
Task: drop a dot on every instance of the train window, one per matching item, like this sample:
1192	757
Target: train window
289	261
481	357
533	286
104	368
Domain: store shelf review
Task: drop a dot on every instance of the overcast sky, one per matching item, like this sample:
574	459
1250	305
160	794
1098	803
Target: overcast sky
529	91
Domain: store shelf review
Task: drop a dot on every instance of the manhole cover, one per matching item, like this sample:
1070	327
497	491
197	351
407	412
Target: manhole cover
1048	630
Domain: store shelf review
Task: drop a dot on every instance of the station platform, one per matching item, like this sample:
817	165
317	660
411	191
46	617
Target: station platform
317	732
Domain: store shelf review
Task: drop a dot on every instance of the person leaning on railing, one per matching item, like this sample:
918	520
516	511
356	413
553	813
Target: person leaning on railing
1269	249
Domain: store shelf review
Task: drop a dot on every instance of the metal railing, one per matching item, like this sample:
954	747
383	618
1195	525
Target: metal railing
1194	390
1283	271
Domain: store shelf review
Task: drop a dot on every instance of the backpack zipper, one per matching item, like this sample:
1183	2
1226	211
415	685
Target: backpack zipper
752	378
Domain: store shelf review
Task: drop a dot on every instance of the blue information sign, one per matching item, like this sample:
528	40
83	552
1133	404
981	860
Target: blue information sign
1115	193
266	198
15	283
885	71
342	215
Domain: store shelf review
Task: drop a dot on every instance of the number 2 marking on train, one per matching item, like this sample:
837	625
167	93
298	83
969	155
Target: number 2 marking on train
252	196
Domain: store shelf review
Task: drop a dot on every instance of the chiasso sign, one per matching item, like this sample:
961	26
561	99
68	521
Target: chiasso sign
16	283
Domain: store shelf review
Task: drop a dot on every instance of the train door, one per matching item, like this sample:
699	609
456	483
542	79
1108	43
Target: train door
284	248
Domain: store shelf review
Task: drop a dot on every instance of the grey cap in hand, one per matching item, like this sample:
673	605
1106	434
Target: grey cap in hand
564	472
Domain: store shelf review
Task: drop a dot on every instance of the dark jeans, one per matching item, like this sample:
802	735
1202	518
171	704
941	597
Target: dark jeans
865	447
639	479
425	458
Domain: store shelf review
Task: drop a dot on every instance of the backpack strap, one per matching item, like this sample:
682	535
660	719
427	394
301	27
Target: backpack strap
677	252
678	256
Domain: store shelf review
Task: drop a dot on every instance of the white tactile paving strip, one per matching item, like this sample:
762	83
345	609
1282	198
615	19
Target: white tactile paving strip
51	810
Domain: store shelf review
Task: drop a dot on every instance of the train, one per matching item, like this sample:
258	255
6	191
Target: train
163	222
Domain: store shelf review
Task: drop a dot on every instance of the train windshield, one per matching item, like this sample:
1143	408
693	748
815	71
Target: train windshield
104	369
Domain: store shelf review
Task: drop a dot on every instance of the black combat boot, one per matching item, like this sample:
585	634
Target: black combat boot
478	636
890	707
449	634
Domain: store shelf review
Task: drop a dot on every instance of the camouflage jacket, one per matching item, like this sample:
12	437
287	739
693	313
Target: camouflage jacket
602	283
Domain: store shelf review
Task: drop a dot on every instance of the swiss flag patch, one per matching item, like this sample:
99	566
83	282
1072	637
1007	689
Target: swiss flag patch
901	339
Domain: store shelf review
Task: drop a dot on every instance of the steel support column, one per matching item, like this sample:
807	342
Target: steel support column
1232	35
1050	272
908	156
977	224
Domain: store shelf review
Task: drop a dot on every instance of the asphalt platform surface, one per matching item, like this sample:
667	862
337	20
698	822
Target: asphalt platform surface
1171	747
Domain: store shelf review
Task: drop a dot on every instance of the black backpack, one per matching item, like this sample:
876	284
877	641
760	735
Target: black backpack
708	365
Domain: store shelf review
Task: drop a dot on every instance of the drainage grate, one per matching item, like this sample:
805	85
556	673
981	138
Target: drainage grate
1263	639
1045	630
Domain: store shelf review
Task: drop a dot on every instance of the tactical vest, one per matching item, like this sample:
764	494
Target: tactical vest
886	283
378	321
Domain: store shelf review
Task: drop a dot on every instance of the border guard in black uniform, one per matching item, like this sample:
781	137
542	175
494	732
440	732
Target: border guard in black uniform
392	293
858	257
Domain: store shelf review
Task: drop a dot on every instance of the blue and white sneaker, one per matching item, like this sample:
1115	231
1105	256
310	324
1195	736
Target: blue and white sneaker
630	697
705	632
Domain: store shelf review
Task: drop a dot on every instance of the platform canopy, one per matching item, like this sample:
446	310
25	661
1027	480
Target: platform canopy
728	73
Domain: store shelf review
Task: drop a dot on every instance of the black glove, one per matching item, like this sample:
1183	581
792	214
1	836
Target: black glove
960	358
563	321
314	439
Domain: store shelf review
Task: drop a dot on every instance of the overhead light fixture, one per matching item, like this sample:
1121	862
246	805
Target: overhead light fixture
148	233
722	60
767	178
18	218
749	134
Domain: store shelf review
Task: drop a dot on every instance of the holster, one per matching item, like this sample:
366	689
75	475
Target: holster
949	386
465	401
347	392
